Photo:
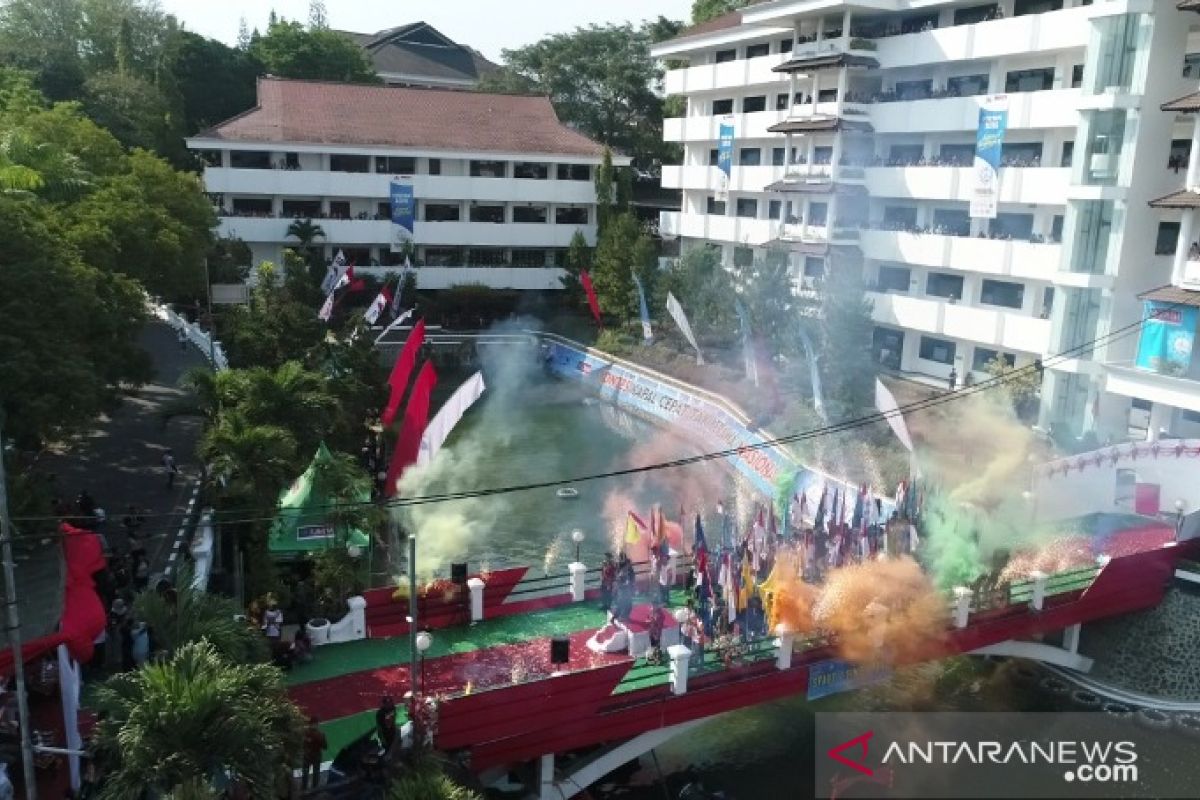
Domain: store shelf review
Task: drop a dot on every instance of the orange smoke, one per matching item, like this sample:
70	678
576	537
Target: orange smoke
883	611
792	604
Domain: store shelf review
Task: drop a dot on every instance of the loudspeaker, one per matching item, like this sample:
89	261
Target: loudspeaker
458	573
560	650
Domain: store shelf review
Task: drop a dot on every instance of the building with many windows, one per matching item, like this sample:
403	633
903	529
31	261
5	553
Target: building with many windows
854	131
500	185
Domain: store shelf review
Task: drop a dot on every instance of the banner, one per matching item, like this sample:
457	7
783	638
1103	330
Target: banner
404	213
647	333
747	350
416	416
834	676
448	416
1168	333
989	146
725	155
886	404
590	290
402	371
676	312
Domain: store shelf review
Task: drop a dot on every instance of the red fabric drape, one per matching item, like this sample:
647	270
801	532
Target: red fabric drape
416	416
593	304
402	370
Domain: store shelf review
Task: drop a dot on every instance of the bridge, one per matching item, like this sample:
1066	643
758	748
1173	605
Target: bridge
496	698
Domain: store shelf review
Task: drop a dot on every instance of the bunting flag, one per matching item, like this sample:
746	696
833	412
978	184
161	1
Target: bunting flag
448	415
886	404
644	311
590	290
681	321
381	301
402	371
408	444
326	310
748	359
634	528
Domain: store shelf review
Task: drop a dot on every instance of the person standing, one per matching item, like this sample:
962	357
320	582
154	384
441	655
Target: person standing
168	462
314	747
272	624
952	381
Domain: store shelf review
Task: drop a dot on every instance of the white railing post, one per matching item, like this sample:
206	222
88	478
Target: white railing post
783	648
475	586
1039	589
578	573
679	667
962	606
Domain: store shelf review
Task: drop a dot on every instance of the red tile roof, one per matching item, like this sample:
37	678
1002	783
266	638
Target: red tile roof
317	112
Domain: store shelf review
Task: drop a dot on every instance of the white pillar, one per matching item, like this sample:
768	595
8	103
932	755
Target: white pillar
1193	170
679	656
846	26
816	92
1039	589
358	617
843	79
547	789
1187	224
69	682
820	28
783	649
475	586
578	572
962	606
673	563
1071	638
1160	419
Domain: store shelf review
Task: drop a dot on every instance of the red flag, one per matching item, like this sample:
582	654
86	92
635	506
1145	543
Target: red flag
402	370
593	304
416	417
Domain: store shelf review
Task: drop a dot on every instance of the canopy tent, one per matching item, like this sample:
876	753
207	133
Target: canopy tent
307	520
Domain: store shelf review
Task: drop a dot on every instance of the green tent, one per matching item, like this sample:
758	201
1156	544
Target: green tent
305	523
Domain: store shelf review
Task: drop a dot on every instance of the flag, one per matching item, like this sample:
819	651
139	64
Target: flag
334	273
396	323
402	370
634	527
443	422
326	310
698	543
886	404
681	321
593	304
416	416
400	286
381	301
647	333
750	362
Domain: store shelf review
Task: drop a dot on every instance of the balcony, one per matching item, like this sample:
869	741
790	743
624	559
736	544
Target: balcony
1191	274
745	126
527	278
737	75
378	232
301	183
997	329
990	256
737	230
1170	390
705	177
1053	108
1028	185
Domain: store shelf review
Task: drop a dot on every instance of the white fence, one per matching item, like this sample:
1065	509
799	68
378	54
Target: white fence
210	348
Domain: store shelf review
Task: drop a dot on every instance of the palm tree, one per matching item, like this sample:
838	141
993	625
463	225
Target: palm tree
256	461
293	397
194	615
306	232
185	724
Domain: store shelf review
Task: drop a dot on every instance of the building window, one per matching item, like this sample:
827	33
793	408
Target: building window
304	209
252	207
339	209
743	257
435	166
724	56
574	172
1013	226
488	169
1068	154
899	218
713	156
1056	226
749	157
348	163
395	165
1191	65
887	346
487	213
570	215
778	154
1077	76
747	207
967	85
894	280
938	350
383	211
952	222
984	356
974	14
721	107
249	159
755	103
1168	239
1021	154
1030	80
531	171
528	258
1023	7
443	256
785	45
902	155
442	212
715	207
756	50
1002	293
957	155
1179	155
781	102
823	155
537	214
774	209
485	257
817	213
939	284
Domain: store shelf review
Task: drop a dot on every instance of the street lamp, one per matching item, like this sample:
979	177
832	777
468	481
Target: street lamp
577	538
681	616
424	641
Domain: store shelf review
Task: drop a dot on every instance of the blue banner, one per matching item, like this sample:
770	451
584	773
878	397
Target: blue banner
647	332
404	214
725	149
834	676
989	149
1168	333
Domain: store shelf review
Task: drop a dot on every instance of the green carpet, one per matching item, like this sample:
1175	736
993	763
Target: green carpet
341	732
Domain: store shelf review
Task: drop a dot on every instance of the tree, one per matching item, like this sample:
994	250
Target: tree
192	615
197	65
289	50
611	271
318	17
578	256
844	339
703	286
135	111
1023	386
194	720
605	205
28	166
306	232
705	10
766	288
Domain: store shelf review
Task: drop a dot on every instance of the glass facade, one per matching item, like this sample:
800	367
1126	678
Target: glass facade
1097	223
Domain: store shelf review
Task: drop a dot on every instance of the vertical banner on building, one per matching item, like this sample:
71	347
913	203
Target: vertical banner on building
989	145
1168	332
404	213
725	155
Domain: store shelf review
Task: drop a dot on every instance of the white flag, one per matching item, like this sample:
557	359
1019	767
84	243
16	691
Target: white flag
439	428
377	306
335	272
396	323
400	286
326	309
676	312
886	405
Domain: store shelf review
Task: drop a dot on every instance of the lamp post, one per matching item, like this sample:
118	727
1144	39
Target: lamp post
424	641
577	538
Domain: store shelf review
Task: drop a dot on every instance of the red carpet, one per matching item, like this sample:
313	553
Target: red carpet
480	669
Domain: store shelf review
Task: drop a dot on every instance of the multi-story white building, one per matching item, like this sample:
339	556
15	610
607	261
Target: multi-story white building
855	129
500	185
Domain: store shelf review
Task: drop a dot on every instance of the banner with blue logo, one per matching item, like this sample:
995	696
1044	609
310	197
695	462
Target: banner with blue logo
647	332
989	148
725	153
1168	333
404	213
834	676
